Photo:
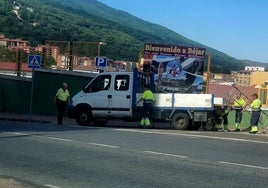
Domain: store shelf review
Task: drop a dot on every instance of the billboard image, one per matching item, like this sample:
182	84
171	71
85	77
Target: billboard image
176	69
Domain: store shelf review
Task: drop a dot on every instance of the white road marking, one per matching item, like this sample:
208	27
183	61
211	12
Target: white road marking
67	140
192	135
243	165
102	145
54	138
51	186
160	153
166	154
17	133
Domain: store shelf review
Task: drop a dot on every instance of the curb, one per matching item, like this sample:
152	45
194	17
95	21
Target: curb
24	120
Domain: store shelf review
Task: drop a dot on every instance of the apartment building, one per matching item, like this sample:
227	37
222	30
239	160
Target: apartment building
13	43
250	76
254	68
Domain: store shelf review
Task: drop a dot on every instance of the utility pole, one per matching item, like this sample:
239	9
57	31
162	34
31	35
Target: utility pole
43	56
70	50
99	47
18	54
208	73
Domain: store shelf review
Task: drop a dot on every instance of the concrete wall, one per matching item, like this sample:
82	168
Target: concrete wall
15	92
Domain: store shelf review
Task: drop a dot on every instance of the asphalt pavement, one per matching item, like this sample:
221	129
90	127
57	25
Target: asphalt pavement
6	182
22	117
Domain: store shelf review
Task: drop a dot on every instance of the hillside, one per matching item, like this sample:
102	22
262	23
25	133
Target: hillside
90	20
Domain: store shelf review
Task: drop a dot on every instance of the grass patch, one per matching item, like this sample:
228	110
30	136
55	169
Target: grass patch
245	123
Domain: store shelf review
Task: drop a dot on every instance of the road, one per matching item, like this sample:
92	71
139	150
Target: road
49	155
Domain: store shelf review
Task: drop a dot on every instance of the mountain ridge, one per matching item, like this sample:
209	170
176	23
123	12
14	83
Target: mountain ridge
90	20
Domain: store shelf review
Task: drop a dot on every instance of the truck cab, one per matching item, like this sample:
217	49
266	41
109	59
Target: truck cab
108	95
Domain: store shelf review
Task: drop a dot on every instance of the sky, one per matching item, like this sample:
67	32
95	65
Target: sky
238	28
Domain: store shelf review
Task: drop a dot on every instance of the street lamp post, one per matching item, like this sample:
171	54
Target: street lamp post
99	47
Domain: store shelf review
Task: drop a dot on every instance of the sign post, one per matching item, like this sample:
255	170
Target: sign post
34	61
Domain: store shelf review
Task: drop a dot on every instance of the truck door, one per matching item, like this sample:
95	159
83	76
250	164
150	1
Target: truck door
121	96
98	94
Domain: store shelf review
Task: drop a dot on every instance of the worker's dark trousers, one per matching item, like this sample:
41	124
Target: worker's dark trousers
61	110
238	115
255	116
225	121
145	120
147	110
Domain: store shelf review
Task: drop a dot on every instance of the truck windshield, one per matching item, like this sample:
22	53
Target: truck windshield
102	82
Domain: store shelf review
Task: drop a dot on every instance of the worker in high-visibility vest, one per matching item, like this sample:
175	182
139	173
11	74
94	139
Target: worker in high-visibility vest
147	98
255	113
239	104
62	99
224	118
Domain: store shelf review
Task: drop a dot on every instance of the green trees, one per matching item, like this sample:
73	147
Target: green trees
64	20
7	55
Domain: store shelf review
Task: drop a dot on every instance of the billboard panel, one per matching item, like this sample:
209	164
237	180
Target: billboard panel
176	69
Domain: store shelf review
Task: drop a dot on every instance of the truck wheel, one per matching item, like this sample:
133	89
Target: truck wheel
180	121
83	117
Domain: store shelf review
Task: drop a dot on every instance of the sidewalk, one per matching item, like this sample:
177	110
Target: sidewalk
32	118
263	130
11	183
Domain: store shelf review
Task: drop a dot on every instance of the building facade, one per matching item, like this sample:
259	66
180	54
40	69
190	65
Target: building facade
254	68
13	43
252	75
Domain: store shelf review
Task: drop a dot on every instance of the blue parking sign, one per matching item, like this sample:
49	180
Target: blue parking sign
101	62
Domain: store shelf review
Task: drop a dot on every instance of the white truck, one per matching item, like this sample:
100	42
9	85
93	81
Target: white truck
113	95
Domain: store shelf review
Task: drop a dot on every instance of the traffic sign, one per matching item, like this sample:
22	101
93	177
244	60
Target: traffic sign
34	61
101	62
